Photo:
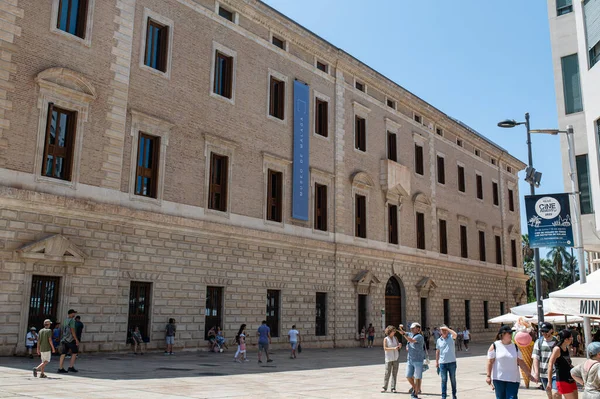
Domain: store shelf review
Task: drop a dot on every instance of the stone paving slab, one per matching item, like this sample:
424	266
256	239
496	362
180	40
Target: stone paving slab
317	373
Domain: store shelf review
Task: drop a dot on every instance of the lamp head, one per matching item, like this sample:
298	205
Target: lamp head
507	123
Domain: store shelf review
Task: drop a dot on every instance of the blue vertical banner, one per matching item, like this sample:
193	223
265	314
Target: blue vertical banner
549	220
300	178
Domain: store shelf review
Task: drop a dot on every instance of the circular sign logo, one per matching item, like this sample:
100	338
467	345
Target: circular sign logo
547	207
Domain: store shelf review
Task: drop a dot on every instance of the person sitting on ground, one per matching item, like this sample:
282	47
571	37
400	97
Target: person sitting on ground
31	341
137	341
221	341
588	372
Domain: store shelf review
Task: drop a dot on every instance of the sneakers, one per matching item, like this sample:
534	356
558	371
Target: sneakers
73	370
238	361
35	371
62	371
43	375
246	360
166	353
269	360
260	361
171	353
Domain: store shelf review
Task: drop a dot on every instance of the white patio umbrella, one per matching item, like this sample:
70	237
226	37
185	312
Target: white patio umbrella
530	309
506	318
579	299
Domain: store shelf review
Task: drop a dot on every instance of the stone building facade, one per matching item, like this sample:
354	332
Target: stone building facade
146	172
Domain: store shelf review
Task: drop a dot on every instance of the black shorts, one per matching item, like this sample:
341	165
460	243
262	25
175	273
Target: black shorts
466	341
69	346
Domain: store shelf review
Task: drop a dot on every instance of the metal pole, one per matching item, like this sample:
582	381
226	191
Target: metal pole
576	220
536	251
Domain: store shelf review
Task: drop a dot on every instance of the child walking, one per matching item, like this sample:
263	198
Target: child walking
45	348
240	338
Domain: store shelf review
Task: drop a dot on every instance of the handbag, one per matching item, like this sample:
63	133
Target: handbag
299	348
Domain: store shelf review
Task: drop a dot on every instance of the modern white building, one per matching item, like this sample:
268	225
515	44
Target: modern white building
575	38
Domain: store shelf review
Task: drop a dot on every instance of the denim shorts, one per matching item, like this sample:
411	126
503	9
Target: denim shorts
544	382
294	345
414	369
170	340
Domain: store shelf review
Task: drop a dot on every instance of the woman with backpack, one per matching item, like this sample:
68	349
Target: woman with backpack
588	373
560	365
504	360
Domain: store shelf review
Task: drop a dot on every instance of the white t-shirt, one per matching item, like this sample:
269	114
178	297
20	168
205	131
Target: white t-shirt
466	334
293	335
505	367
391	356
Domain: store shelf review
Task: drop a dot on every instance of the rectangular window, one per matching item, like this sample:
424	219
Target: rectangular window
393	224
461	179
391	103
498	243
322	66
320	207
441	171
443	237
479	181
420	230
486	314
360	215
571	84
447	312
359	86
591	14
583	179
419	168
563	7
477	153
594	53
277	98
223	75
217	191
225	13
321	117
146	175
278	42
321	314
360	133
509	169
362	311
464	249
391	147
273	297
274	195
502	308
418	118
511	200
139	307
439	131
493	161
468	314
213	311
59	142
459	142
72	17
157	39
495	195
513	252
424	321
482	246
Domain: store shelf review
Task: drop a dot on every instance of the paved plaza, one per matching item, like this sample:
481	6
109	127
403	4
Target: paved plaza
316	373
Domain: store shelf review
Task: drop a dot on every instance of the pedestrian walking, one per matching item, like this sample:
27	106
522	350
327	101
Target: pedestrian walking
264	339
391	346
427	336
79	326
240	339
542	350
370	335
69	342
294	337
31	340
445	359
415	359
504	360
436	334
575	346
560	365
588	373
459	340
45	348
137	340
56	336
170	331
466	338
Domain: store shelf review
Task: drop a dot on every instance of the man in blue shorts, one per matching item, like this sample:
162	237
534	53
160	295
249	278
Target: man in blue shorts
264	339
416	357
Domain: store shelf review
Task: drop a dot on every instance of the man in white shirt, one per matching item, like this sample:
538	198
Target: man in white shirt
294	337
466	338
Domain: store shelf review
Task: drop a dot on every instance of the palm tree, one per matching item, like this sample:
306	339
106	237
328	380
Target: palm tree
559	257
527	250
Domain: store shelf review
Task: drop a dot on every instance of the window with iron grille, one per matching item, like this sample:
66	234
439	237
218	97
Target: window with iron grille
223	79
59	142
419	167
146	175
360	133
43	300
321	314
443	237
391	147
360	215
393	224
157	39
213	311
139	307
464	250
277	98
321	117
320	207
273	301
274	195
72	17
420	230
217	191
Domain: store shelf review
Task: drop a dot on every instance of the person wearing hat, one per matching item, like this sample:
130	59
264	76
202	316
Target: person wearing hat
69	342
445	359
588	373
504	360
416	357
31	341
45	348
542	350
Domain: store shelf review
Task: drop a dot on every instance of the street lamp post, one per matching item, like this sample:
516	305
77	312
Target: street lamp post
536	251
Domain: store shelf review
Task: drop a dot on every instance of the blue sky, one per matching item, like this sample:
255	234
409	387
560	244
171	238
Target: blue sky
478	61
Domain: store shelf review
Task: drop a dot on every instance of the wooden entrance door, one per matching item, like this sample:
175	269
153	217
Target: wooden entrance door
43	301
213	312
393	303
362	311
139	307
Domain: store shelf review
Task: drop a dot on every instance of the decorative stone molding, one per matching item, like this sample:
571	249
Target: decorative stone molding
419	139
324	288
68	83
363	281
519	294
497	230
392	126
54	249
421	201
462	219
275	285
395	180
217	281
362	180
442	213
425	287
140	276
360	109
480	225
